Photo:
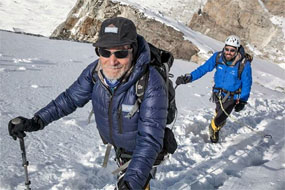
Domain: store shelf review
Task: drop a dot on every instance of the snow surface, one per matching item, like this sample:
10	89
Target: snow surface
68	153
34	16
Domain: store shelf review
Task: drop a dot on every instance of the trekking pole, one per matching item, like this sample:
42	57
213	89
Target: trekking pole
24	158
25	163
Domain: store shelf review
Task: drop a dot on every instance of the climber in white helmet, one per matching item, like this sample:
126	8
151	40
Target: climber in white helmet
233	80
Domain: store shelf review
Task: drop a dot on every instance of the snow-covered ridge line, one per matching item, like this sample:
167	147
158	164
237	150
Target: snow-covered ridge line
20	32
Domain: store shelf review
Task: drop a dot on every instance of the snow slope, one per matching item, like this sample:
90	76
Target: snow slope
68	153
34	16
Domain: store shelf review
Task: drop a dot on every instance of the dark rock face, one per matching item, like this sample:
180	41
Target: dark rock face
84	21
251	20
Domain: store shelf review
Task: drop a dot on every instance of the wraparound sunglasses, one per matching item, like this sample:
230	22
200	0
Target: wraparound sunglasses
120	54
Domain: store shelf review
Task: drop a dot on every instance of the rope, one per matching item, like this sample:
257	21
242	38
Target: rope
264	135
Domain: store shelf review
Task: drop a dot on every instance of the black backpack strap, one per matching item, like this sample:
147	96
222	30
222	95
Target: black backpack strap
218	58
241	67
246	58
140	87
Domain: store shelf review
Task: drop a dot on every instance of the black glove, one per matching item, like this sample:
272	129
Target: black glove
183	79
123	185
18	125
240	106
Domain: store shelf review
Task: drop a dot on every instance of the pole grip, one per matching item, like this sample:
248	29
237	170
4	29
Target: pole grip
16	121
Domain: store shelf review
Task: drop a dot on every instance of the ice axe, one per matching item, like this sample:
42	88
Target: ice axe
17	121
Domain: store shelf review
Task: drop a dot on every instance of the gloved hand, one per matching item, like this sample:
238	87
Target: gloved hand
183	79
123	185
240	105
18	125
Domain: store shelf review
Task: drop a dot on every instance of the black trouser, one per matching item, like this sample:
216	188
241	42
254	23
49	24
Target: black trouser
123	156
221	117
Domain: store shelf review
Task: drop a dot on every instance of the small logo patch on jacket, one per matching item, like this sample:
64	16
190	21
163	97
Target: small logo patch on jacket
127	108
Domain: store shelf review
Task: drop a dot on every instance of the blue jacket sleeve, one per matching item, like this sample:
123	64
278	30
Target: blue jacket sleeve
208	66
77	95
246	80
151	127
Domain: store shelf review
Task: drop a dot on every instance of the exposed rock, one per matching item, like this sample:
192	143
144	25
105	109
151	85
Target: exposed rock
84	21
248	19
275	7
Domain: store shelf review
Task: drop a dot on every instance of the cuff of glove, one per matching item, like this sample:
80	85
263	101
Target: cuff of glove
242	102
189	77
37	124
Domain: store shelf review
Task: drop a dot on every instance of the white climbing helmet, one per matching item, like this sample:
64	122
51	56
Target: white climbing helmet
233	40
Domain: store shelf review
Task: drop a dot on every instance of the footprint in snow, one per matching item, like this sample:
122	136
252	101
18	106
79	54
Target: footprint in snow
22	68
37	86
34	86
70	122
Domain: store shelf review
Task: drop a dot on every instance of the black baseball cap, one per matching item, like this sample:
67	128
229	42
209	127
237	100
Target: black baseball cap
117	31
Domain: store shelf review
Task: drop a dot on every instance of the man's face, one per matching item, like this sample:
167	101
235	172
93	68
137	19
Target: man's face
115	65
230	52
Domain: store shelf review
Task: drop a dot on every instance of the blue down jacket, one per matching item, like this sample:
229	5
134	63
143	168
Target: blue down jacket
226	77
142	134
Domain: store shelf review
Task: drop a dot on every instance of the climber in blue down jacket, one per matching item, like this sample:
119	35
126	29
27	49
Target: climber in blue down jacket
109	83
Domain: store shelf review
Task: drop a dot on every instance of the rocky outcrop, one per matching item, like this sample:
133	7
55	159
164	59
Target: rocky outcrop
251	20
84	21
275	7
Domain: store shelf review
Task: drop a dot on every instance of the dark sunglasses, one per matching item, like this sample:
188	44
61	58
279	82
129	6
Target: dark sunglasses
230	50
120	54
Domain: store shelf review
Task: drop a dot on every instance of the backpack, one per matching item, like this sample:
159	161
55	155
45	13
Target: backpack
247	57
162	61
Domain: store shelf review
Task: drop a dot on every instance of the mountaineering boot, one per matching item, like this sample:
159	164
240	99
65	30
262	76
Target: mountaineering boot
214	132
214	135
